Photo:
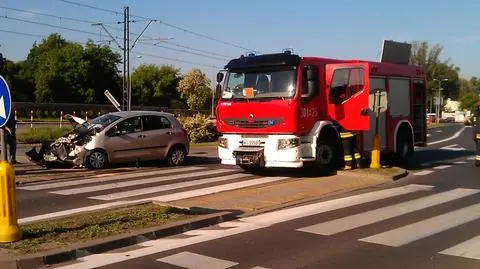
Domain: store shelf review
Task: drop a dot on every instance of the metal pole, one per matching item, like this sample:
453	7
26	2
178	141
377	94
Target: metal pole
3	145
438	102
213	104
124	91
128	60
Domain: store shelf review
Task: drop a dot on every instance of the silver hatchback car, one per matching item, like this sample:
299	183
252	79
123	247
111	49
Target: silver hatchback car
129	136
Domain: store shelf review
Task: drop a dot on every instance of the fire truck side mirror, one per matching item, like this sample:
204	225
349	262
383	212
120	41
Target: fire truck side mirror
312	81
218	91
219	77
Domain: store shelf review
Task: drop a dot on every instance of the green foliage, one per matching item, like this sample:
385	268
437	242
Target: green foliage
196	88
428	57
64	71
199	128
155	85
40	135
469	94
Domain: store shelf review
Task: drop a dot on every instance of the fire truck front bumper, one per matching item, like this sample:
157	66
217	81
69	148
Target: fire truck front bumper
262	151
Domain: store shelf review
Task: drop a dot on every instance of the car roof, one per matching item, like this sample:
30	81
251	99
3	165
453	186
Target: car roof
132	113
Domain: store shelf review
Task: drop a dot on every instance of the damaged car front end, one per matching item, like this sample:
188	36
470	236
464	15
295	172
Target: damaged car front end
71	149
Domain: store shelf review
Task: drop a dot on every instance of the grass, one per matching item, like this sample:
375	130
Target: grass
40	135
434	125
204	144
53	234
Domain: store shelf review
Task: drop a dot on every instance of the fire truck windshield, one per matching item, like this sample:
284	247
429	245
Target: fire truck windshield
260	85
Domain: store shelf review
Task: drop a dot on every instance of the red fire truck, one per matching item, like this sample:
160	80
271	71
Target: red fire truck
283	110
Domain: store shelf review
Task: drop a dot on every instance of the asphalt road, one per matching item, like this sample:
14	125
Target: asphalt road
428	220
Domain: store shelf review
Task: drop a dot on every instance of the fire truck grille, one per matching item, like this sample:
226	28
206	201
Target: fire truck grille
257	123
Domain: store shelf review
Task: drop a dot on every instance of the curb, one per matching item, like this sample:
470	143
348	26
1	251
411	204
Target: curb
115	242
396	176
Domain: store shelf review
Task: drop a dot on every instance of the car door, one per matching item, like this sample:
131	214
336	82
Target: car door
123	142
157	135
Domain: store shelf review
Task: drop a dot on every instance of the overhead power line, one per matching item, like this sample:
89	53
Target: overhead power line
50	25
176	60
183	51
217	55
20	33
46	15
163	22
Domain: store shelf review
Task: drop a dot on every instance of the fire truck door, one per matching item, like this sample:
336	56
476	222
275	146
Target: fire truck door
348	94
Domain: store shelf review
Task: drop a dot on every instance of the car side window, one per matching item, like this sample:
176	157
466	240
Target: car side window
127	126
155	123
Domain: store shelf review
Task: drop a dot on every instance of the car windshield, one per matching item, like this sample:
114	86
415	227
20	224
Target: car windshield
104	120
261	84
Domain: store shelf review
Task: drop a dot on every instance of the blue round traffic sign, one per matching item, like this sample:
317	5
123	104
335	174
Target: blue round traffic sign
5	102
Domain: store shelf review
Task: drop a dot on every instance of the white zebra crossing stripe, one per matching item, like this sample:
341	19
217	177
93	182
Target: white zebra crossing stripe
143	191
196	261
377	215
423	173
138	182
313	209
419	230
441	167
240	226
468	249
106	179
216	189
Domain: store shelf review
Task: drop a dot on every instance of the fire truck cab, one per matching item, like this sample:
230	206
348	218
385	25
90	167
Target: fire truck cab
283	110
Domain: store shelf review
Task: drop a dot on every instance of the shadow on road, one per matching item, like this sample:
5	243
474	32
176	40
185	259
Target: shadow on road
429	158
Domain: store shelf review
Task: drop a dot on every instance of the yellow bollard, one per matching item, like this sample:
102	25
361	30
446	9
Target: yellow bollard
9	229
375	162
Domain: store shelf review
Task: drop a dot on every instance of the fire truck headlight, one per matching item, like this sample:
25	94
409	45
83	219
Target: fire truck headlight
223	142
288	143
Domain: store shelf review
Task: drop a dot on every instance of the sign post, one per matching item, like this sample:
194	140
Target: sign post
9	229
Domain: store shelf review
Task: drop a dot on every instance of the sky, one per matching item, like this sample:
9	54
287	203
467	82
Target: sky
206	34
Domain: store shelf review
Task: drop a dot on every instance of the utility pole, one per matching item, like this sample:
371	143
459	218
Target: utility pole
126	49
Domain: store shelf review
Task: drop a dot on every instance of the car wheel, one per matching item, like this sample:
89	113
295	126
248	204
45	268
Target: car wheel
97	159
177	156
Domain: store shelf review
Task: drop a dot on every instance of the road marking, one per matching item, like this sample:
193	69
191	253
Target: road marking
381	214
438	131
423	173
429	135
196	261
137	192
453	148
468	249
106	179
419	230
137	182
215	189
455	136
441	167
460	162
240	226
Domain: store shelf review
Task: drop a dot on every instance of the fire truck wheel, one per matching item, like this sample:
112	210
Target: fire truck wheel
404	146
328	154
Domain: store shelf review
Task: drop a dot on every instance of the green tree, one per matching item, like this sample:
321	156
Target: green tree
64	71
195	87
155	85
469	93
428	57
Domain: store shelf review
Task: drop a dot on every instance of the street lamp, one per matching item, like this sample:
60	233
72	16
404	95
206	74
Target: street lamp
439	97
